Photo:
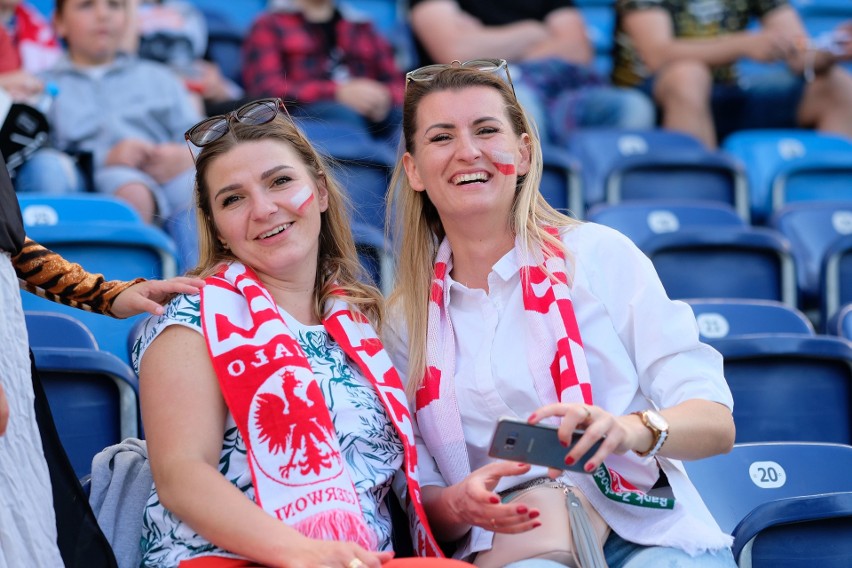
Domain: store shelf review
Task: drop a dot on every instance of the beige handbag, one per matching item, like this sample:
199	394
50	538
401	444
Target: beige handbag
571	532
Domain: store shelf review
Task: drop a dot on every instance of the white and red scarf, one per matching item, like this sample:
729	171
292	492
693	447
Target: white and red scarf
559	373
293	450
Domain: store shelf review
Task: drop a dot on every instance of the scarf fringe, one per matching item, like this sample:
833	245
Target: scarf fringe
338	525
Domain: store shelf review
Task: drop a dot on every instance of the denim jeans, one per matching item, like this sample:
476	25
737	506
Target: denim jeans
49	171
623	554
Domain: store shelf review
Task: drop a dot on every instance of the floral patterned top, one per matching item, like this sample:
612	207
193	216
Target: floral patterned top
371	448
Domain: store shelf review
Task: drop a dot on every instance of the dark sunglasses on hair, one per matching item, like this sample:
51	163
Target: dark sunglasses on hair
253	113
497	66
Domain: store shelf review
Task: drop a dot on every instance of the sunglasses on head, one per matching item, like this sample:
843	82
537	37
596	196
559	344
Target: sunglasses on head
497	66
211	129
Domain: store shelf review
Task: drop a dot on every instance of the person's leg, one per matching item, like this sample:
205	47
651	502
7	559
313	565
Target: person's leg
49	171
682	89
621	553
827	102
137	188
614	107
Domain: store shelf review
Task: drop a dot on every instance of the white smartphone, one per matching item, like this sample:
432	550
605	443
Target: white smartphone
538	444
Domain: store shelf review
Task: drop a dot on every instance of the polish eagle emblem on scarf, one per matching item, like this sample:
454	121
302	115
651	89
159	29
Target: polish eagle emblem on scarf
294	429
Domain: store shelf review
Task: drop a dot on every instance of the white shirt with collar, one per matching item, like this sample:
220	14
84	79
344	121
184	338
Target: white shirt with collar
640	346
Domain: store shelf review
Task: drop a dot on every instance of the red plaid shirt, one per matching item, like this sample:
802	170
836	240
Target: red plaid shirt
285	56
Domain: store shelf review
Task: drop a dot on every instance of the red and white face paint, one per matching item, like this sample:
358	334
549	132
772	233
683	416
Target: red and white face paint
300	200
504	162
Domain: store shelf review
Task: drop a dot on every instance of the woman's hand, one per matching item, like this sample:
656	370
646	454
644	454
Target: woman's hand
453	510
149	295
618	432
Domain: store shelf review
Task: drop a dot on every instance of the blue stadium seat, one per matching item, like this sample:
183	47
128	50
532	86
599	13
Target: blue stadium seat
620	165
93	395
105	236
642	220
705	250
812	227
375	255
789	387
792	165
729	317
840	324
361	164
836	277
239	15
797	532
561	183
734	484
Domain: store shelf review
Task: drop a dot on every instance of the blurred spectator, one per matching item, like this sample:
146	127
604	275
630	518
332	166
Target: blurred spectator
37	46
551	57
128	114
174	32
684	54
332	65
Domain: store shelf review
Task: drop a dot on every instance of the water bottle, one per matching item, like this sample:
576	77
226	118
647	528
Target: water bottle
44	101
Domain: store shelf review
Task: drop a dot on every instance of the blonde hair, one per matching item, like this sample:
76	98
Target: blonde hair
417	227
338	267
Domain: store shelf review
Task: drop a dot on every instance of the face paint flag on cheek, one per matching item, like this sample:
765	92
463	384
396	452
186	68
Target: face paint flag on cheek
301	199
504	162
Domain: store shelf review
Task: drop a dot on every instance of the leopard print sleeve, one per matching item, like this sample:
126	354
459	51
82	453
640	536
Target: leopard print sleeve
46	274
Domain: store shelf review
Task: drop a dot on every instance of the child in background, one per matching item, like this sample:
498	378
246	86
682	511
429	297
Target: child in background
129	114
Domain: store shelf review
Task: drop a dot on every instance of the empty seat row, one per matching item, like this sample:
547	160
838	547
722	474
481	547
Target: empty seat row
804	258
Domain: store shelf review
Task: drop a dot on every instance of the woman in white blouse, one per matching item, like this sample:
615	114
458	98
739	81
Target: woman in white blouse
506	307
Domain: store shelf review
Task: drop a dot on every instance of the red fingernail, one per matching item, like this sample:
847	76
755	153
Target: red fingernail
536	525
589	467
569	460
521	464
531	418
534	514
494	499
522	510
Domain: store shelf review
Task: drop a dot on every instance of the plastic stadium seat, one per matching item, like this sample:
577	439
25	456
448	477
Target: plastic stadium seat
561	183
789	387
734	484
105	236
93	395
797	532
375	255
840	324
728	317
621	165
599	18
703	250
836	277
361	164
792	165
642	220
811	228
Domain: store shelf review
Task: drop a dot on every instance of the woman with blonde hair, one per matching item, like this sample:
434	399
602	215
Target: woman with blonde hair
276	425
505	307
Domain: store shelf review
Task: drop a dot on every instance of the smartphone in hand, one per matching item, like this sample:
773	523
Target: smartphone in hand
538	444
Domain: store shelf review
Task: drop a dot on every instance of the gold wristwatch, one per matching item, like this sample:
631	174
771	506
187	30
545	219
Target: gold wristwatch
659	428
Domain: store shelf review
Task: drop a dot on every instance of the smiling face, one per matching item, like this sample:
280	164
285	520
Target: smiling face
93	29
266	207
466	156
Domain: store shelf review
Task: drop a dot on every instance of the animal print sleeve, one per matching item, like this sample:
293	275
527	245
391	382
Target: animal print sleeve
46	274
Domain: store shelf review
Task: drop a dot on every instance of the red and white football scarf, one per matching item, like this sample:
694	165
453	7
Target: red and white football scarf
37	44
293	450
559	373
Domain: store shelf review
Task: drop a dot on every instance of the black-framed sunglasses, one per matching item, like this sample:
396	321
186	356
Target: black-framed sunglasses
497	66
211	129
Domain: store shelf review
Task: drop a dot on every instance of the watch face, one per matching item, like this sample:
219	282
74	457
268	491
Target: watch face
656	420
